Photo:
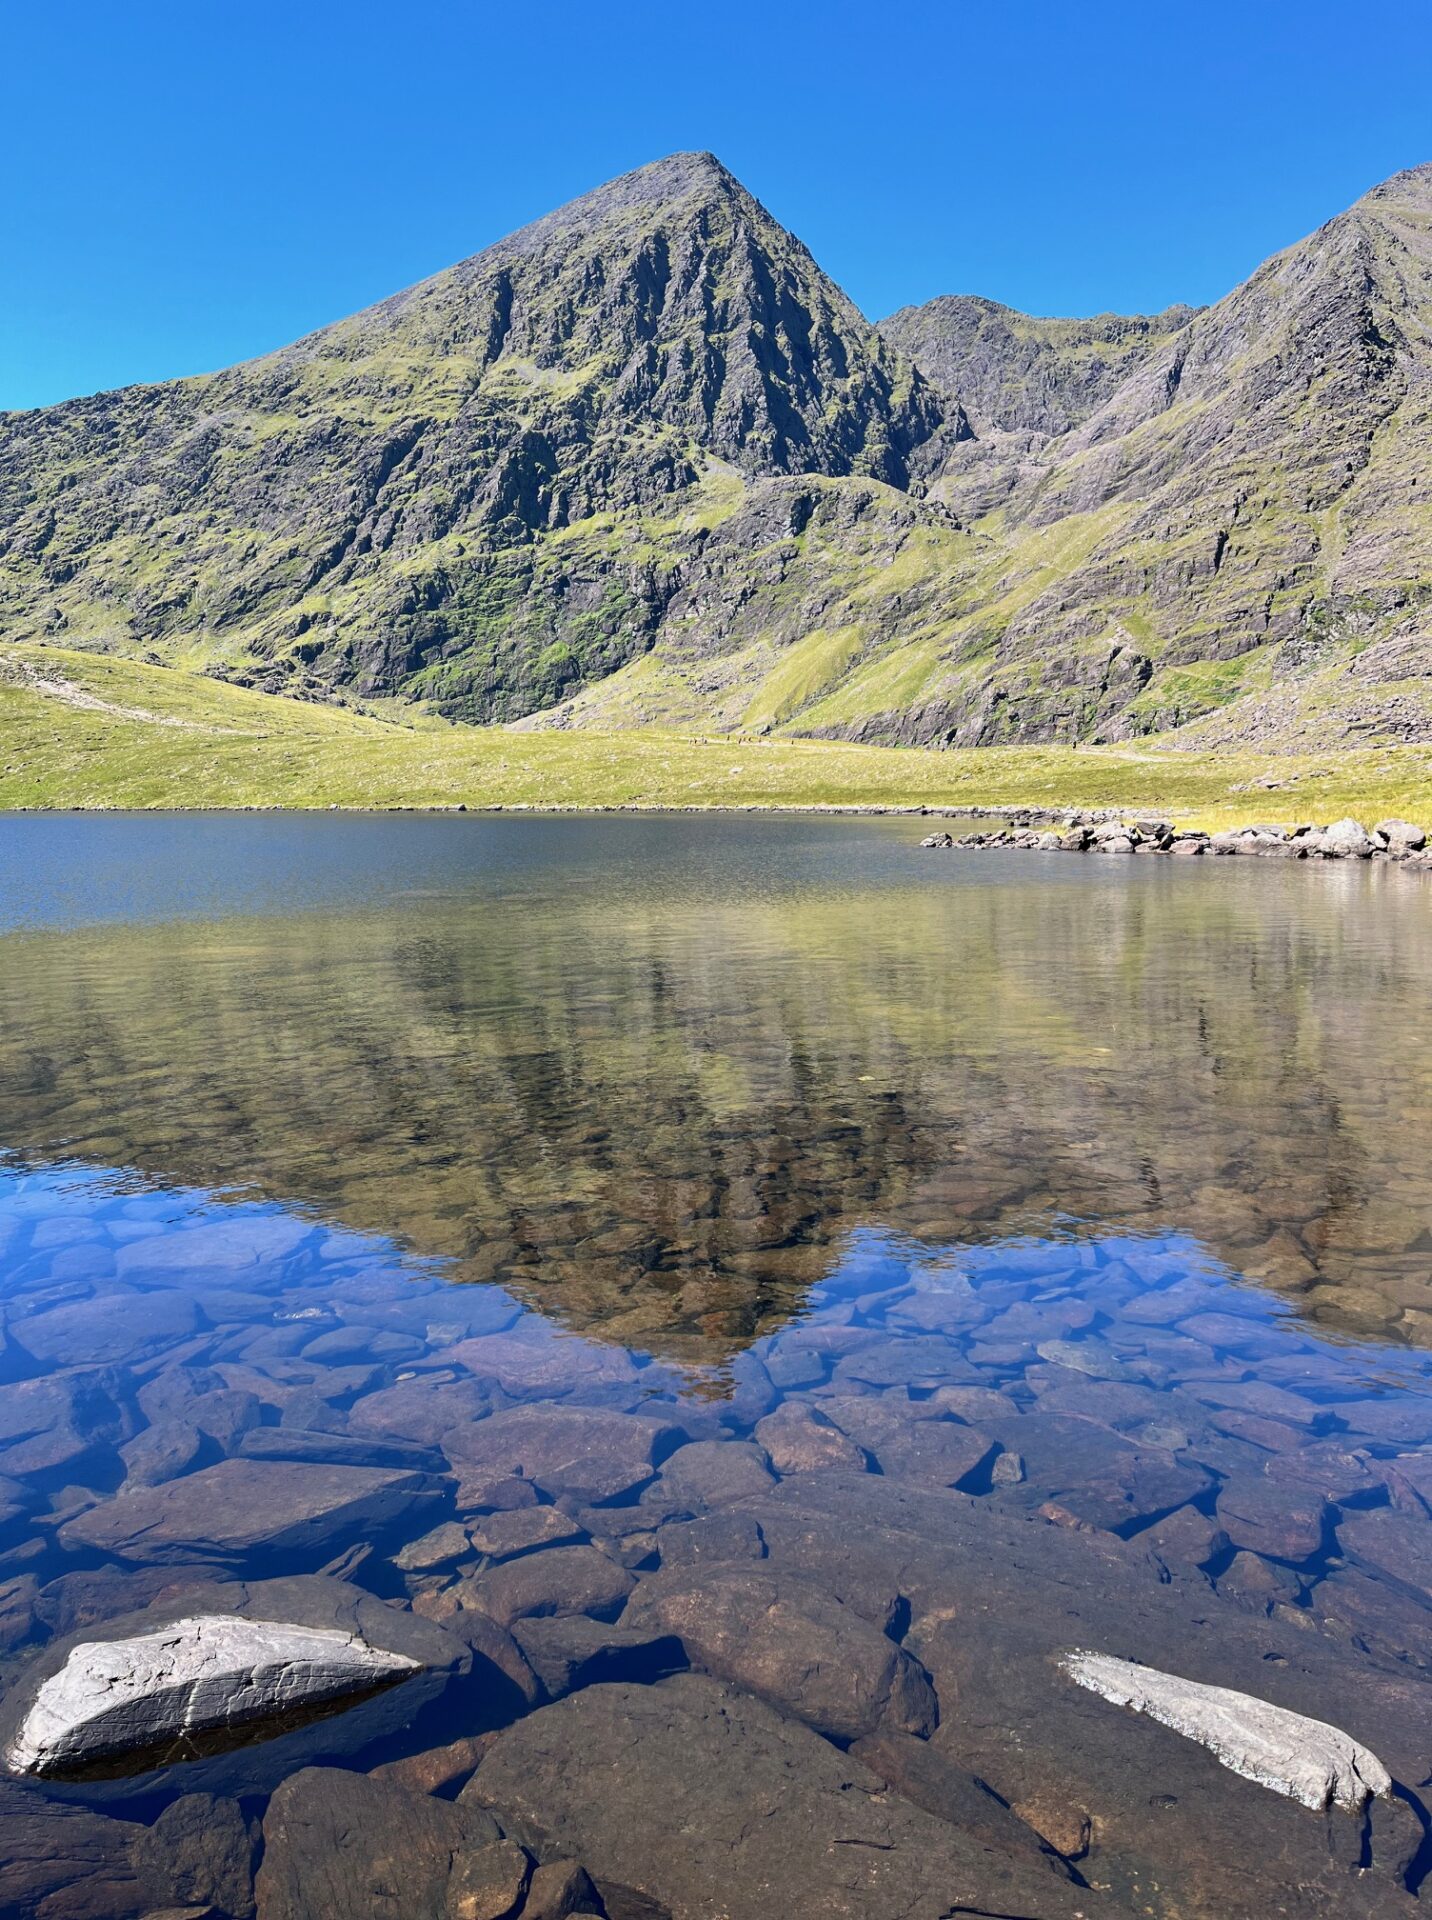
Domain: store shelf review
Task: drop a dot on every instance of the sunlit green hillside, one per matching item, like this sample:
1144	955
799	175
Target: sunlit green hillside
81	730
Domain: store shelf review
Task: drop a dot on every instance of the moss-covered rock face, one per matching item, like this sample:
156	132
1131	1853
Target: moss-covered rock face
384	504
1255	476
643	462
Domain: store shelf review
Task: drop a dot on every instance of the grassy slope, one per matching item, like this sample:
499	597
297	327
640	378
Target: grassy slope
154	737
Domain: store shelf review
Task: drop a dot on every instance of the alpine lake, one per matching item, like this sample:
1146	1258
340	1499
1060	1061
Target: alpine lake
727	1307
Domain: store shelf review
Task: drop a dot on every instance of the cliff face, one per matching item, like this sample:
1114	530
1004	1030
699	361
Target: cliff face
1013	372
1244	520
643	461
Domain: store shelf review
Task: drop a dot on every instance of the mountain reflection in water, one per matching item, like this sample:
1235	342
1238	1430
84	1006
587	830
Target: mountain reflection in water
647	1074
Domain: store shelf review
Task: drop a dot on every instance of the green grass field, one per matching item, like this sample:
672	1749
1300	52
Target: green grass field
84	731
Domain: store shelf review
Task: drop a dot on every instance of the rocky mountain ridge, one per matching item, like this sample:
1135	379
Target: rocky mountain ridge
643	462
1013	372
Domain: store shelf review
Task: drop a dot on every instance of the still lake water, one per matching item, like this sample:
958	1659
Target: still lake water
1098	1191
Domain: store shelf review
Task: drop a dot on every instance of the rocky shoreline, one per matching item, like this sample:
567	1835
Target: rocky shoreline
1103	831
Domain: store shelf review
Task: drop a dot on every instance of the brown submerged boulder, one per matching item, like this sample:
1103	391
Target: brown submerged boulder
588	1454
202	1851
69	1863
789	1641
343	1846
695	1800
276	1509
563	1580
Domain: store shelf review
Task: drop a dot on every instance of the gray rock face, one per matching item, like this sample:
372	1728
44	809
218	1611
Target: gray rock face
705	1801
1305	1759
197	1676
1015	373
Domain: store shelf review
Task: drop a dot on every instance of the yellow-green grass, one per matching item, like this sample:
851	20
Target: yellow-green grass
81	730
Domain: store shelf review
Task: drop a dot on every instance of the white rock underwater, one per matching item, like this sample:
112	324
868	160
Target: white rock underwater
200	1674
1306	1759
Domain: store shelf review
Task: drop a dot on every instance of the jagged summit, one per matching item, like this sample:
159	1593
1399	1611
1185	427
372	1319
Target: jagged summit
660	183
658	188
1415	180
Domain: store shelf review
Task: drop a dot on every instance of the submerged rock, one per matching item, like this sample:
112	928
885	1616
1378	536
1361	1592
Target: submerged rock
701	1800
199	1675
339	1846
928	1778
410	1661
1305	1759
563	1580
53	1422
201	1851
242	1507
994	1598
792	1643
572	1651
798	1440
587	1453
69	1863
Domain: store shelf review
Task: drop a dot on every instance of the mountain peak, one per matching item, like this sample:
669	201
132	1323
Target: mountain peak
647	431
657	185
670	299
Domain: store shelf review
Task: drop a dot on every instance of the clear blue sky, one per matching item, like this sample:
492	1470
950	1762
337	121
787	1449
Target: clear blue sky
188	185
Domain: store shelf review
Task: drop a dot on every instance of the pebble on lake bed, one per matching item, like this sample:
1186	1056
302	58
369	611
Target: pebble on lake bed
1305	1759
207	1672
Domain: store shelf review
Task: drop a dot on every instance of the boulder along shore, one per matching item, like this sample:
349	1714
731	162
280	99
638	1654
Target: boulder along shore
1102	831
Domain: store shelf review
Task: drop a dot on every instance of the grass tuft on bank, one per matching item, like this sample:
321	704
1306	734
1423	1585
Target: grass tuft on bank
85	731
